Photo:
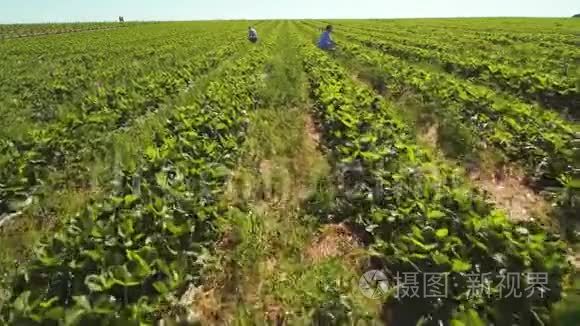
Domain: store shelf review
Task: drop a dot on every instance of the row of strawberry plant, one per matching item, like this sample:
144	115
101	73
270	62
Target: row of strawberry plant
552	90
37	33
538	139
542	39
9	31
65	144
558	60
421	215
546	34
118	259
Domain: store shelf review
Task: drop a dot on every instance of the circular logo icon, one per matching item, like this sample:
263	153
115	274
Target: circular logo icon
374	284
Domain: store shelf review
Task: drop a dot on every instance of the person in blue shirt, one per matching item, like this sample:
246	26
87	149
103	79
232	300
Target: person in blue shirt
325	41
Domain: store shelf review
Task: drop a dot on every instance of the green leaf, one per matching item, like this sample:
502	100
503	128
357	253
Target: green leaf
82	301
574	183
467	318
48	260
55	313
151	152
94	283
435	214
456	322
522	231
161	179
126	228
460	266
122	276
370	156
73	316
142	266
417	232
21	303
221	171
442	233
93	254
160	287
440	258
176	230
131	198
48	303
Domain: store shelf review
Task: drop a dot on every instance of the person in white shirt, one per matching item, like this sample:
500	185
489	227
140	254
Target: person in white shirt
252	34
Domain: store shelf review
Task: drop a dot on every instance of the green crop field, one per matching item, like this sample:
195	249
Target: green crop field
174	173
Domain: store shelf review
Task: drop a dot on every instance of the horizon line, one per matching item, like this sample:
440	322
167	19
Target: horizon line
272	19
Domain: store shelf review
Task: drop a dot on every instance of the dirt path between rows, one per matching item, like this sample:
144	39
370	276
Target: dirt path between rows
507	189
274	259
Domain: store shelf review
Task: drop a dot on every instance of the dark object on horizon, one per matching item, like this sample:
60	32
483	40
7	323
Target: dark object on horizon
576	16
121	19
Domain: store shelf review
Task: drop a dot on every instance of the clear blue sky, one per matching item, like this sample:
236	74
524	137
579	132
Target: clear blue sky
12	11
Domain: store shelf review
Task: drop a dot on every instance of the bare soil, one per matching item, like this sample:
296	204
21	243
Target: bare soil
505	186
430	136
334	240
312	130
508	190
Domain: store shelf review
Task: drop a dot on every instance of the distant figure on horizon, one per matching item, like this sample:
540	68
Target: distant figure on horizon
252	34
121	19
326	42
